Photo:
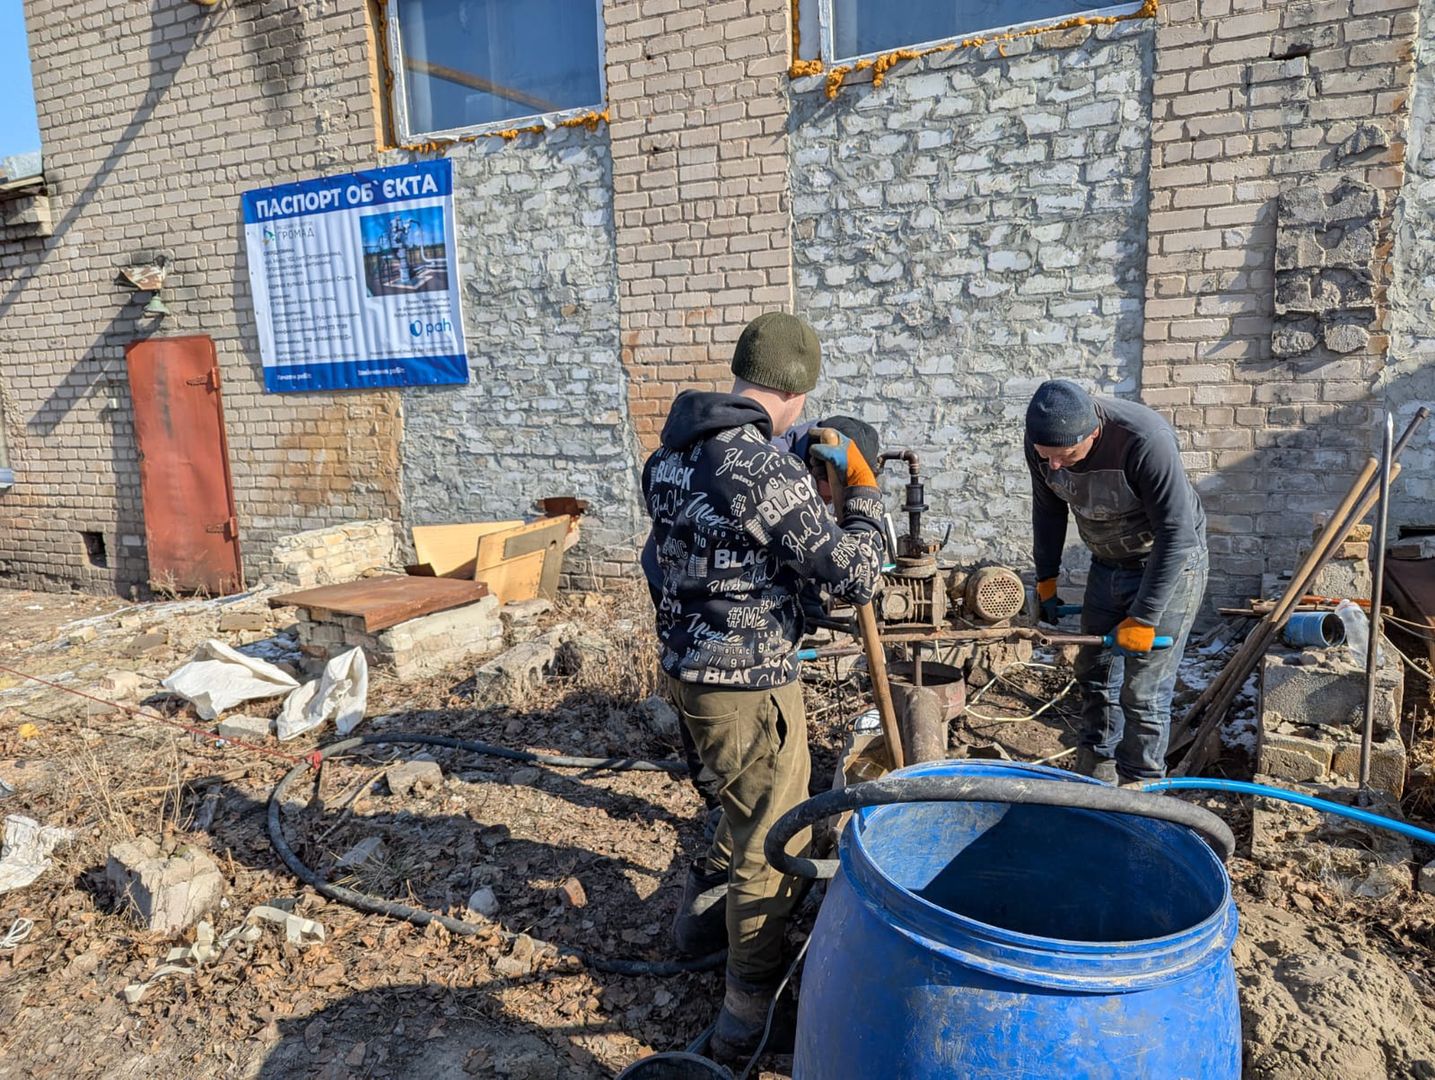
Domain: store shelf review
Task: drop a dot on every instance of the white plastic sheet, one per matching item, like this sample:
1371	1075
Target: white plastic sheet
341	692
25	854
217	678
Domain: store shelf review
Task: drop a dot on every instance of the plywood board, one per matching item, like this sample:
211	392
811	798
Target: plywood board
546	535
449	548
515	579
385	601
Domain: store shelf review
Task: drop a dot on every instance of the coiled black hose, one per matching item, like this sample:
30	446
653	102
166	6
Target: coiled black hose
377	905
992	789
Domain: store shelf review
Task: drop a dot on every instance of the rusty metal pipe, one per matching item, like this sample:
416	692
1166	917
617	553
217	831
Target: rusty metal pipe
916	504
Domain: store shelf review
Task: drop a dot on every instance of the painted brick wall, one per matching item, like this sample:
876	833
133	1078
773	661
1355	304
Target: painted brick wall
1253	99
968	229
698	99
154	117
1410	379
546	409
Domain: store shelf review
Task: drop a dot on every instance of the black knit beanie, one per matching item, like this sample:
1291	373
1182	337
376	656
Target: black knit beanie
778	351
860	432
1060	414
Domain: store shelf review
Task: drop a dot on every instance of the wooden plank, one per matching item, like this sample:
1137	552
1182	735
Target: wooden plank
515	579
386	601
449	548
548	535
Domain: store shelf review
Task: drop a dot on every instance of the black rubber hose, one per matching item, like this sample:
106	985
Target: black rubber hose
473	746
376	905
992	789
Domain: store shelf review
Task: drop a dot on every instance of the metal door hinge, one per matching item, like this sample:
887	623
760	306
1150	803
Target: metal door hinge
228	528
209	380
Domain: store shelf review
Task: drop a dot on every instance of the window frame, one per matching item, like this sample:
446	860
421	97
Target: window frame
827	39
399	99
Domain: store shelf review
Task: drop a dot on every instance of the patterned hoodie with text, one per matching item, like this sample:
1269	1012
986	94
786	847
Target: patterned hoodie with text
738	526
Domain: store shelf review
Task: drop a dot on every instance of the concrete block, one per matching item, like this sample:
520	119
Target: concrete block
247	728
165	893
1417	547
440	640
1321	687
525	611
522	666
418	775
1293	757
235	621
122	684
1342	578
1388	762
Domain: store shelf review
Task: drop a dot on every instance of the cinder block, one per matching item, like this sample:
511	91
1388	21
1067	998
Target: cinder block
1293	757
166	893
1319	687
1388	761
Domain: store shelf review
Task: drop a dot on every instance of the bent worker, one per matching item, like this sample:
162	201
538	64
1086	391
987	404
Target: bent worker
738	527
1115	465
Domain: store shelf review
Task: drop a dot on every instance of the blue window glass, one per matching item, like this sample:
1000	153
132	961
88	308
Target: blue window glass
470	62
868	26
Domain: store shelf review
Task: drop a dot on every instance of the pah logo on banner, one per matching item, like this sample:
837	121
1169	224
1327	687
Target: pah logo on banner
420	328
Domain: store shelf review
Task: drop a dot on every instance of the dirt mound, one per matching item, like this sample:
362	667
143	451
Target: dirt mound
1319	1001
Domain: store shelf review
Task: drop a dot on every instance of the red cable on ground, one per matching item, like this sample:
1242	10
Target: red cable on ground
313	759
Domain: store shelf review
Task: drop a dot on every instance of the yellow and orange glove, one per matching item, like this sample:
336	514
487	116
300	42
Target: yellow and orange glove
1049	603
1135	637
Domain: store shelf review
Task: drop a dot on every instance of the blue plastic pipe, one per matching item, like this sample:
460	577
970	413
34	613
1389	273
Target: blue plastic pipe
1243	787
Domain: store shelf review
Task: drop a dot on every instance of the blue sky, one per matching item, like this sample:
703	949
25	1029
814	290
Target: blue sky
18	130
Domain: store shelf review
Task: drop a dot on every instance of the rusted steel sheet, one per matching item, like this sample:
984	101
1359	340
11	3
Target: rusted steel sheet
385	601
191	530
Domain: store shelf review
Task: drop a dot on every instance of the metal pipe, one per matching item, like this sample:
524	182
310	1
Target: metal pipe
916	504
1377	587
1243	787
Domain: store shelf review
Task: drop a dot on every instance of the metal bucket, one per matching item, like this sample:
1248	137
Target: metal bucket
675	1066
1322	629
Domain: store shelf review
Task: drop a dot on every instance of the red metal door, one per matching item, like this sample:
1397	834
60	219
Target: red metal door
190	527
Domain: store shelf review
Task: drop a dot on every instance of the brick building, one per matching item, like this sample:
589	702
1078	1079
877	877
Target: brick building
1223	207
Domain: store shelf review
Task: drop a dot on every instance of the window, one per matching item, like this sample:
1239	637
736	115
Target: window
856	28
476	63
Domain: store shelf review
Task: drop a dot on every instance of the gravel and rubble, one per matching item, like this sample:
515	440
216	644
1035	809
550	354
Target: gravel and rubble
535	857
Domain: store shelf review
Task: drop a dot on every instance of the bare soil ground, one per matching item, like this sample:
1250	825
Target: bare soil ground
382	998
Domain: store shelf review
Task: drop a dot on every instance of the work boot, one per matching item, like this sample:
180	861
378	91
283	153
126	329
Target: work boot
700	926
743	1019
1098	768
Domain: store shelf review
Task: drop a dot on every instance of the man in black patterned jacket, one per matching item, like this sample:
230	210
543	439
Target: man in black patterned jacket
738	527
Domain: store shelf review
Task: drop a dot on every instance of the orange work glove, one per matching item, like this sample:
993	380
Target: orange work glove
1136	637
847	460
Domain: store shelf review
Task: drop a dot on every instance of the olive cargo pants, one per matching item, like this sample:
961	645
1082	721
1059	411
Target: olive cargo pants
755	741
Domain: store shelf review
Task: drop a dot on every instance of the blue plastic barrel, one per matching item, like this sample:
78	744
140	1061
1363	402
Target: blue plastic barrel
1320	628
985	940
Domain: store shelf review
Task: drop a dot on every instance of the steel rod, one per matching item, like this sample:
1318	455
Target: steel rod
1259	641
1372	651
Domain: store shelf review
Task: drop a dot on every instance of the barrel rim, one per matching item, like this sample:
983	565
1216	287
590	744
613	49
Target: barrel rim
1127	965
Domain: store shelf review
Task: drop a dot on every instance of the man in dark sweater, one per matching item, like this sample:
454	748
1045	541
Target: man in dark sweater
1115	465
738	528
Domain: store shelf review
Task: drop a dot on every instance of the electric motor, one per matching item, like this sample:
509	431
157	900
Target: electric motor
993	594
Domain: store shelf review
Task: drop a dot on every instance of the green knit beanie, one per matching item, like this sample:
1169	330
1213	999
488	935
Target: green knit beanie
778	351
